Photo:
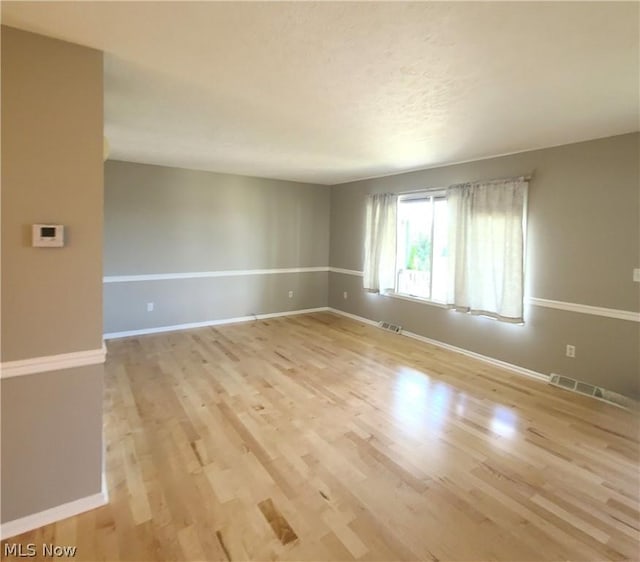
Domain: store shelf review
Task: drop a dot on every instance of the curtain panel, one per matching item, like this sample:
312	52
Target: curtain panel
380	242
486	248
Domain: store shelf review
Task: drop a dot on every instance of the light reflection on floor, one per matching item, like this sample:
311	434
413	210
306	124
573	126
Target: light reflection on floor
504	422
422	403
419	401
461	405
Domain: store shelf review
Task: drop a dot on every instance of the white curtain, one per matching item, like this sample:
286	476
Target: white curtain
486	248
380	242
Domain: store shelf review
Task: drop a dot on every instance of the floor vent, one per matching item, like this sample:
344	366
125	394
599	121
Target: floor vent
390	327
591	390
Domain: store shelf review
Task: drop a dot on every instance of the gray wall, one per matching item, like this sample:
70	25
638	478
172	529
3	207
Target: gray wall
171	220
51	439
583	241
51	298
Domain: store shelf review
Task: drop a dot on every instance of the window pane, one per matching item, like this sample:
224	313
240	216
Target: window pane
414	247
440	255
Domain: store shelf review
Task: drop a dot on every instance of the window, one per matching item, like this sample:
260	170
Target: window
421	256
463	247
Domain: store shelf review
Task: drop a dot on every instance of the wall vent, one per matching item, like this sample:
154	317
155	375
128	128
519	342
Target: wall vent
390	327
591	390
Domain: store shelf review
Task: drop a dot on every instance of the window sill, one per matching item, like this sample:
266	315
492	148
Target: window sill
437	304
416	299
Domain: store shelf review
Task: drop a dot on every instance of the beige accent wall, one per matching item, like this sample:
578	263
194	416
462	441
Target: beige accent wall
171	220
51	173
583	242
51	298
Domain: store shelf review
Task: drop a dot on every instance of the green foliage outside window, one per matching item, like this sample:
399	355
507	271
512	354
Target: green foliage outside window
419	254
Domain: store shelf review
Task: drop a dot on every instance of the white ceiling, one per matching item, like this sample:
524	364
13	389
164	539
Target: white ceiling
331	92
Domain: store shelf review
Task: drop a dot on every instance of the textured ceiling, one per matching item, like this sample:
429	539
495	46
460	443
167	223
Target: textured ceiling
331	92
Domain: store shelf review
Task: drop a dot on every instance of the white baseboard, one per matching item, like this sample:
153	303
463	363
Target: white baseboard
220	322
353	316
479	357
54	514
484	358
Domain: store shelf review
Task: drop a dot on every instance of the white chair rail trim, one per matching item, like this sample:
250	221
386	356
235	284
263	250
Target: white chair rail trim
208	274
225	273
545	303
587	309
46	363
346	271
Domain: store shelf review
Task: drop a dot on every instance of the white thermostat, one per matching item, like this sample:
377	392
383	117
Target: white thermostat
47	235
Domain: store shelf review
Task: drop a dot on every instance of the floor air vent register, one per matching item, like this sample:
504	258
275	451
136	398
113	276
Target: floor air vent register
590	390
390	327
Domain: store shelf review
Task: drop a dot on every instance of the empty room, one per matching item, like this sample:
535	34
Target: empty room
320	281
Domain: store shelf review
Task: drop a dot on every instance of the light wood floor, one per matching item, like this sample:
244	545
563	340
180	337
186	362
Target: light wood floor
318	438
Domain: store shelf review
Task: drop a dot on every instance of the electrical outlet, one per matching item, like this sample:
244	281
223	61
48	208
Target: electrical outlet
345	295
571	350
636	275
150	307
290	294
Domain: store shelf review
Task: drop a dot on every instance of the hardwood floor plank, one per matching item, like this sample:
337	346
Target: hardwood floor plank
319	438
277	521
